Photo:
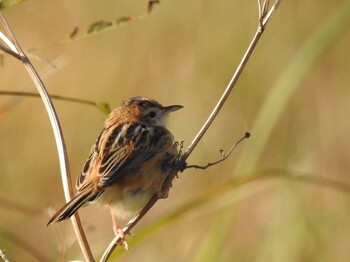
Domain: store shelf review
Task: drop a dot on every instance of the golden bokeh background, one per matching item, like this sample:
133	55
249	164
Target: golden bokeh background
184	53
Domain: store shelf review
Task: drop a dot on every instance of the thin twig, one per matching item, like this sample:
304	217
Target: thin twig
3	256
58	97
269	14
223	155
9	51
8	42
102	106
67	184
263	20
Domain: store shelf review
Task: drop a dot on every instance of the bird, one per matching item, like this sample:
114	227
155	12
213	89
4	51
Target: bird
128	163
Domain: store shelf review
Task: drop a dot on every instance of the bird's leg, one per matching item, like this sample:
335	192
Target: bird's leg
118	231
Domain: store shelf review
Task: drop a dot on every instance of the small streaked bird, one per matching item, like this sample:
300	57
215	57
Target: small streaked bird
128	163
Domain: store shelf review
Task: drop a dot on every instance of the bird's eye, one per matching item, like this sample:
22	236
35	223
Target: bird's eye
152	114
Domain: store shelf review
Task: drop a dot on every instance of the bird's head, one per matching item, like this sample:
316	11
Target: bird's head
145	110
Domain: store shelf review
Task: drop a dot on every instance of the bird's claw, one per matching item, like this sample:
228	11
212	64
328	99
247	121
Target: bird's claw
121	236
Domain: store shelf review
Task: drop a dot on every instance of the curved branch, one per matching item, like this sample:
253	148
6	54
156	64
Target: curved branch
62	153
223	155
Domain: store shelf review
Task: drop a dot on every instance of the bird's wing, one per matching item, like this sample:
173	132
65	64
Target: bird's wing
122	150
85	174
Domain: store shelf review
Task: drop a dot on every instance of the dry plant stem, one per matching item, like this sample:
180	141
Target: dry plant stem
9	51
3	256
264	17
69	99
223	155
66	180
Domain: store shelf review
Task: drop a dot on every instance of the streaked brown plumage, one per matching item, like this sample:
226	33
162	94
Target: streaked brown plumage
129	161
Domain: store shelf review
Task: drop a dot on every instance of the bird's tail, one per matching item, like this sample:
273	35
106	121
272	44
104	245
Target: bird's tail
72	206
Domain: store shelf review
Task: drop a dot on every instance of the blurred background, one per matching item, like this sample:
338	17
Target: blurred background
283	195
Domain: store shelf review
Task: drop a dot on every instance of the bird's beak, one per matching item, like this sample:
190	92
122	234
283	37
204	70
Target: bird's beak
168	109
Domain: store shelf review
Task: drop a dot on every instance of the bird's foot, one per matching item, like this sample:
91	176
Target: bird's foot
120	234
